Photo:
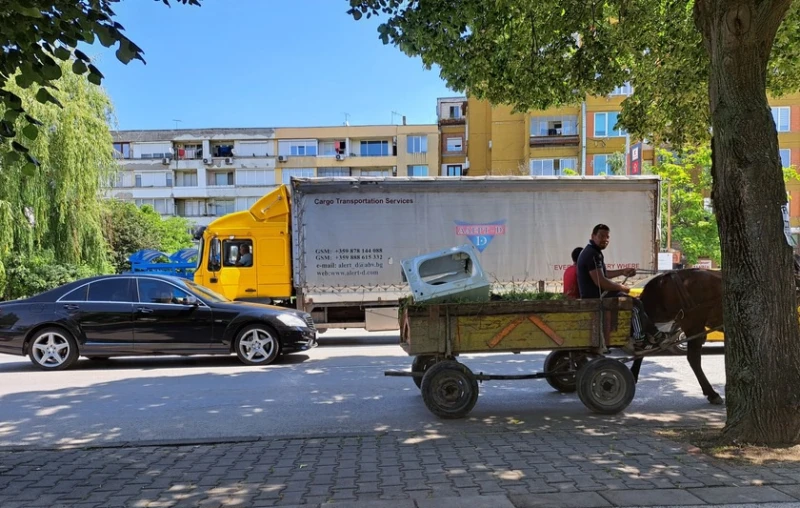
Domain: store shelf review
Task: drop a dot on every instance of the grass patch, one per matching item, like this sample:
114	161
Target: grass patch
708	440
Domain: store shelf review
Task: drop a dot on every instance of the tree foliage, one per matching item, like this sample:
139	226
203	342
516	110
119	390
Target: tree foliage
129	229
39	40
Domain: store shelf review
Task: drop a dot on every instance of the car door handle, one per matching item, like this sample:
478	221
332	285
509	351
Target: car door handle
145	310
71	306
249	290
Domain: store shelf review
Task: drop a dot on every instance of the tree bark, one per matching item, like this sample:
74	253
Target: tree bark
762	337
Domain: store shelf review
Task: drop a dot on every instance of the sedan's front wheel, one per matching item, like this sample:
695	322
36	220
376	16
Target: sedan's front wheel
53	349
257	345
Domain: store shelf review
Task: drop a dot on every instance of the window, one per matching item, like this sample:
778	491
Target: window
76	295
160	205
333	172
298	148
222	150
138	181
245	203
605	125
158	291
152	150
169	179
122	150
217	179
417	170
332	148
185	179
453	170
287	174
190	208
601	165
374	148
253	148
112	290
221	207
418	144
455	144
781	117
237	253
455	112
624	89
375	172
151	179
786	157
187	152
564	125
253	177
551	167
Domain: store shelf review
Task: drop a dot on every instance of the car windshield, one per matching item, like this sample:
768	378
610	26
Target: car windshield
205	293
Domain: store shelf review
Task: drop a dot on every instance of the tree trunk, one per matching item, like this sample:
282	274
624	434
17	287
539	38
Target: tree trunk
762	353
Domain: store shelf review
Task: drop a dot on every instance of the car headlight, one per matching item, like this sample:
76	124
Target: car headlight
292	320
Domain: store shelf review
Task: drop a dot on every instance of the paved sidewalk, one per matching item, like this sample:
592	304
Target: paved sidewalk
559	468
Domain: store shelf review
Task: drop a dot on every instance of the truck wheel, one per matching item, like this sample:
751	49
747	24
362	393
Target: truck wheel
568	363
449	389
606	386
421	364
679	349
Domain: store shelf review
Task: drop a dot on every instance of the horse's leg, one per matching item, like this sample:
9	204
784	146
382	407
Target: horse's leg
694	352
637	364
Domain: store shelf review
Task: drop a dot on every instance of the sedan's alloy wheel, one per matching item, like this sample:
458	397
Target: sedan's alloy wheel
51	349
258	345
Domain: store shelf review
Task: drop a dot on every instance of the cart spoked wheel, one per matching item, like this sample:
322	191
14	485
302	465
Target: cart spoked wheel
606	386
449	389
565	364
421	364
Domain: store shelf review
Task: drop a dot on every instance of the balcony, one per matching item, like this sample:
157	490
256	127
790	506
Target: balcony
454	120
555	140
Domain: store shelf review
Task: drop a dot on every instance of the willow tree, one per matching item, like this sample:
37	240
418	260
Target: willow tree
56	209
693	65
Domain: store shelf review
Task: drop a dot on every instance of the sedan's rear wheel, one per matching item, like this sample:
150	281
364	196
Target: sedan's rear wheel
53	349
257	345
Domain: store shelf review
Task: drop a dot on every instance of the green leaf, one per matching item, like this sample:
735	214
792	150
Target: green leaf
29	169
24	80
51	72
125	52
31	132
11	115
7	130
30	12
95	79
104	34
18	147
78	67
32	120
12	158
43	96
62	53
80	54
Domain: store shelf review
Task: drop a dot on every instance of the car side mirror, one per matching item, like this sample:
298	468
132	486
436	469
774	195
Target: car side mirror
192	301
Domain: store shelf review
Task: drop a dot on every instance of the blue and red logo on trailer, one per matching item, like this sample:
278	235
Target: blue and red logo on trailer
481	235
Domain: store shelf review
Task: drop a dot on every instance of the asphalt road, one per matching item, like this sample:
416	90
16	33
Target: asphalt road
337	388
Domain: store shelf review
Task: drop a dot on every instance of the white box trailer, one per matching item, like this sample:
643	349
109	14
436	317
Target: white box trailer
350	234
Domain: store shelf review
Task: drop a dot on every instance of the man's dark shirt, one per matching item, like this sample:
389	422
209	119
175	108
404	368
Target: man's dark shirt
591	258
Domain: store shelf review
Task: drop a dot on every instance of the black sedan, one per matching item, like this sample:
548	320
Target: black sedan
133	315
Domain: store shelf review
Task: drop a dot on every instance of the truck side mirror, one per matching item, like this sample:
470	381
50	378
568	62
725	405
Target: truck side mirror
214	256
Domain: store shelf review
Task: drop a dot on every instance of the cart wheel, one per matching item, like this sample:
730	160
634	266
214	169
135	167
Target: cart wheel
421	364
567	362
449	389
606	386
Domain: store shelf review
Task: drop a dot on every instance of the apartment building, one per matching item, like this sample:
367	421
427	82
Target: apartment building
450	114
202	174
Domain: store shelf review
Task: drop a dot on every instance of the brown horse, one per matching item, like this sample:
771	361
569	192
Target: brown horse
688	300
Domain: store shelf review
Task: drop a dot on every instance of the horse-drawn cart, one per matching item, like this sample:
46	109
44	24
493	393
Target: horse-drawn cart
579	333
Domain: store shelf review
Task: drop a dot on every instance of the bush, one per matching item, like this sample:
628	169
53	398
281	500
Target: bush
29	277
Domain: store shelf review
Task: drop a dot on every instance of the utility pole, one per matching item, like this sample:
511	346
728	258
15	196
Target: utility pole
669	215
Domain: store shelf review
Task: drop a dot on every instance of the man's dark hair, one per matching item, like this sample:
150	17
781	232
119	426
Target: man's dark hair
575	253
598	228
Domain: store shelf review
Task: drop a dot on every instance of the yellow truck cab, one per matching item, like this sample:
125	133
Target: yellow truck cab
247	255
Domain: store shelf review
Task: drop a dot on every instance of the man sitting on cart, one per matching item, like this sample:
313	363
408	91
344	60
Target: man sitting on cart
594	281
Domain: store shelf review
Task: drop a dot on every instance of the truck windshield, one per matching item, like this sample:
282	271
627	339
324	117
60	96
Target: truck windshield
206	293
201	249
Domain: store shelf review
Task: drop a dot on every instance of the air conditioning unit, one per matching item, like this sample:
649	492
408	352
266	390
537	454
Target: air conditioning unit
206	160
339	157
165	161
228	160
282	158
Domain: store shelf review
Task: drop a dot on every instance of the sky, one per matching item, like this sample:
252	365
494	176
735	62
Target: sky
261	63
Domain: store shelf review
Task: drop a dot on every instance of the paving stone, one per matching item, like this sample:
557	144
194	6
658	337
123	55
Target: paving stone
658	497
792	490
498	501
731	495
583	500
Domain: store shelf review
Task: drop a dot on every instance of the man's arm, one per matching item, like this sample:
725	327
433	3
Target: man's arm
605	284
612	274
